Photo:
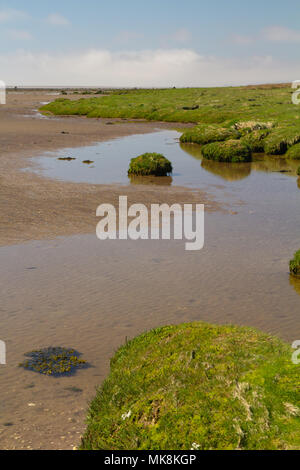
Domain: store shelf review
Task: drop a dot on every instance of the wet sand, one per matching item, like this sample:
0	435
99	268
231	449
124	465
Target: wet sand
33	207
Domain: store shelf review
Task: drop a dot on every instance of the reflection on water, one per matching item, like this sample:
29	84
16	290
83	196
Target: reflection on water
295	282
228	171
151	180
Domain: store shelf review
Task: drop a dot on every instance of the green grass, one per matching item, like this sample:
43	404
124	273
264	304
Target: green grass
213	105
294	152
256	140
233	151
205	134
218	113
295	264
281	139
150	164
198	385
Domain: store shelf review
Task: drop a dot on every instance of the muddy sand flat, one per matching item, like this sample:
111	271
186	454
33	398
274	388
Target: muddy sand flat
33	207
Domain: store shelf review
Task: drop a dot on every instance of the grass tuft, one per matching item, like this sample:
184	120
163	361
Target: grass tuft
150	164
233	151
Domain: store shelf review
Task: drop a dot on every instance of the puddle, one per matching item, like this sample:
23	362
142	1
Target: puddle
107	163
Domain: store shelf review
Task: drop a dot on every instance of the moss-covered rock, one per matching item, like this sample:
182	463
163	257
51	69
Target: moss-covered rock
295	264
205	134
54	361
256	140
281	139
198	386
233	151
150	164
294	152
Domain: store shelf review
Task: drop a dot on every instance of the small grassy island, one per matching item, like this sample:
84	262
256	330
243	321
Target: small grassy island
198	386
150	164
295	264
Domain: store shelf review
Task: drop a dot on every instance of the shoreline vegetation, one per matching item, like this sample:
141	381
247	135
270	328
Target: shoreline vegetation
250	119
201	387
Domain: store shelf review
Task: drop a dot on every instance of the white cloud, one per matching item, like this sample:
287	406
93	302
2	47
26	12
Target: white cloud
19	35
281	34
57	20
150	68
10	14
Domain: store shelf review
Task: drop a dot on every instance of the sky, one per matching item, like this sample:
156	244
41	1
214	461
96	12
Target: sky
158	43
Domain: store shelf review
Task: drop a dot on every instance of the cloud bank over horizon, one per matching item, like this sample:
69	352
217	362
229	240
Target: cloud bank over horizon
149	68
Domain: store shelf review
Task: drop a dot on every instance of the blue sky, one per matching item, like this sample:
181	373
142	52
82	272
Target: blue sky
153	43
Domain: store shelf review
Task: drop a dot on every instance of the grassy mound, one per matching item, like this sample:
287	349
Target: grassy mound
54	361
205	134
294	152
198	385
256	140
251	126
281	139
295	264
147	164
233	151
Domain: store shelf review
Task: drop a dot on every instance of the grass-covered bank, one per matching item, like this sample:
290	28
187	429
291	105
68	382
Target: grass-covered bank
195	105
198	386
264	118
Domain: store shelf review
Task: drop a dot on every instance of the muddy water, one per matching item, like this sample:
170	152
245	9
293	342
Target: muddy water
90	295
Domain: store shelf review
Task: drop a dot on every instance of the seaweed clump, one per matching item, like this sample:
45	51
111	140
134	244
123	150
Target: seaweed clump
54	361
150	164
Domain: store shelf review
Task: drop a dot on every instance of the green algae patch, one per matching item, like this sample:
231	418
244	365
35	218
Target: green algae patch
295	264
205	134
198	386
54	362
233	151
281	139
150	164
256	140
294	152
